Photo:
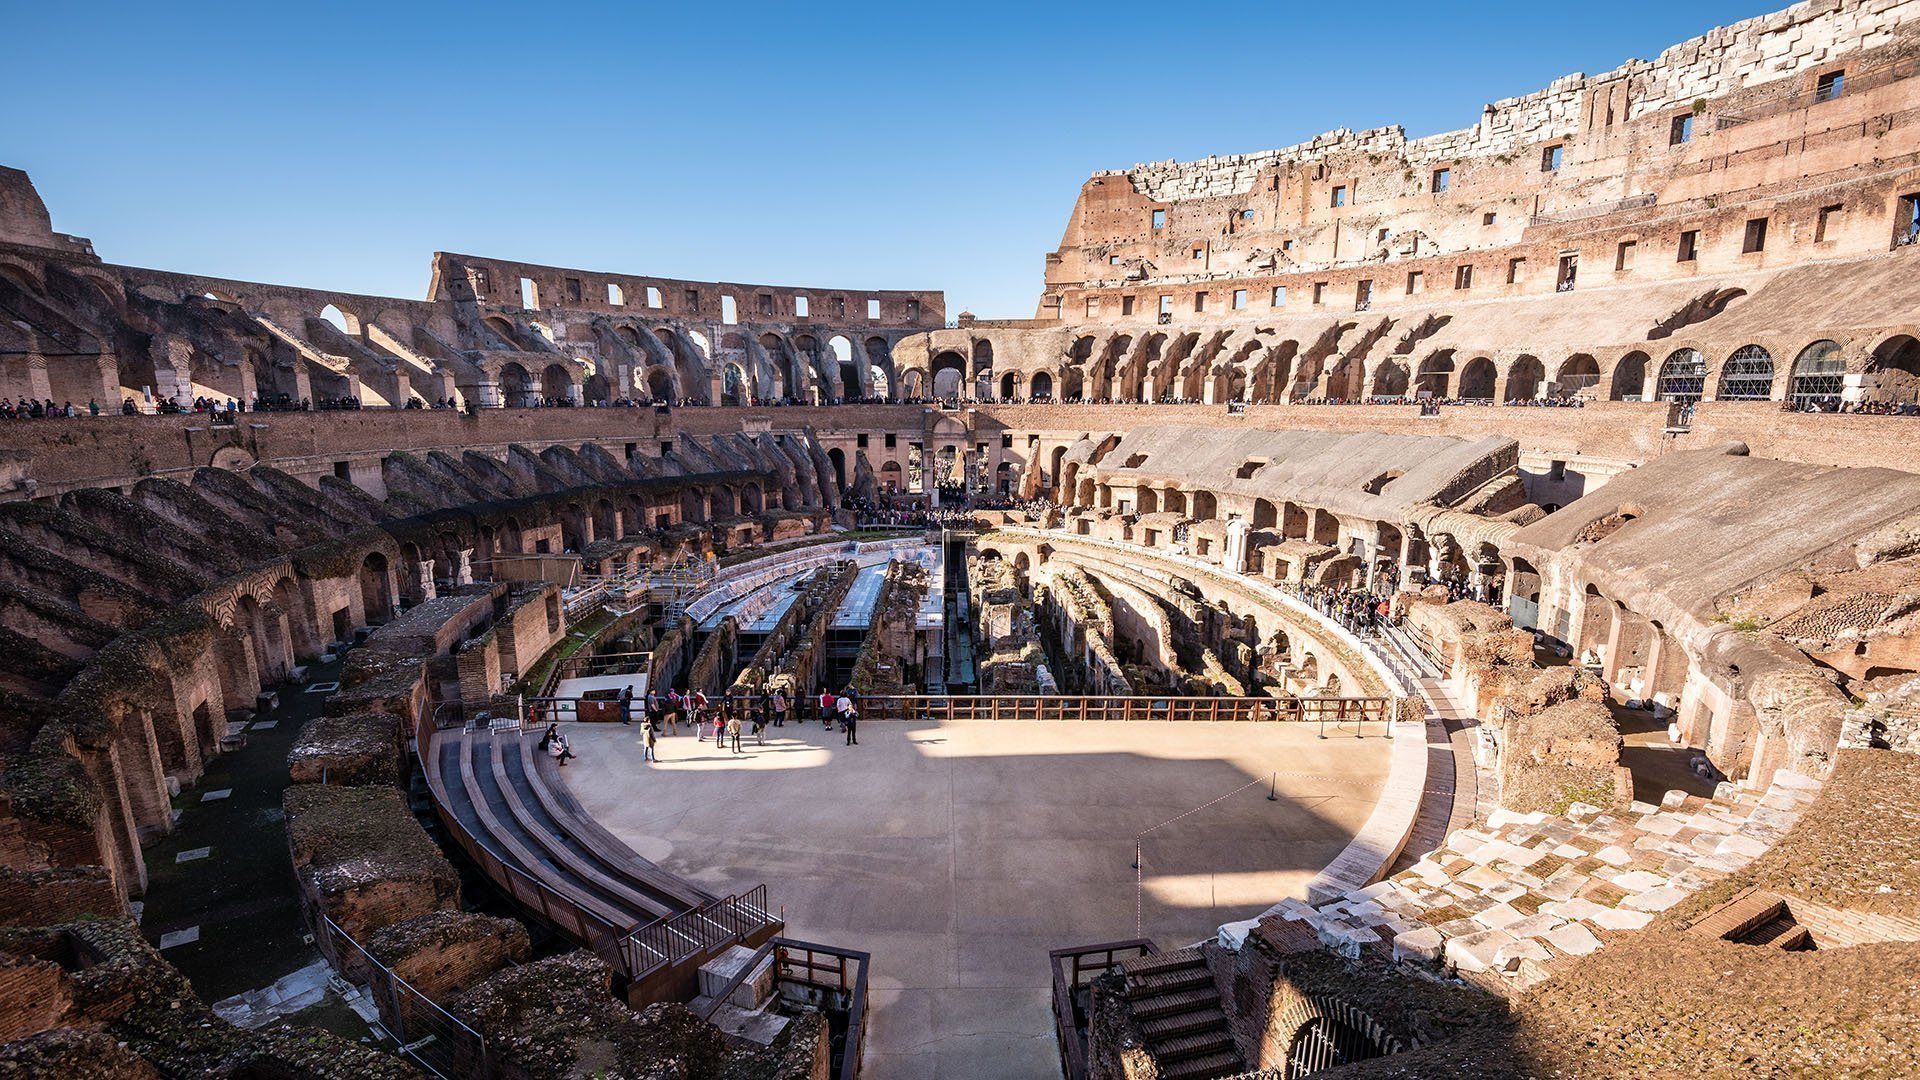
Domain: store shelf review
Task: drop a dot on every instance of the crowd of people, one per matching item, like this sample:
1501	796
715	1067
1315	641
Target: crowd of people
729	720
30	409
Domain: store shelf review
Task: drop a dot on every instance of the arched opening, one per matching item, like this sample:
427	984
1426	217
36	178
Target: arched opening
1436	372
1042	386
1477	378
733	386
982	356
1578	375
338	318
1819	373
556	385
1630	378
1325	1042
1058	456
1524	379
1265	514
839	459
1683	377
1747	375
882	386
1897	363
515	386
376	589
659	385
1524	587
1009	386
949	371
1390	380
1205	506
598	390
849	371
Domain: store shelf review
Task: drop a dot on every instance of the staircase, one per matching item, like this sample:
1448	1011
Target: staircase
1174	999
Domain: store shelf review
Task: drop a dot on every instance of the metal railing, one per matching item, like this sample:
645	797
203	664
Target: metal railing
941	708
434	1038
1073	970
703	931
830	975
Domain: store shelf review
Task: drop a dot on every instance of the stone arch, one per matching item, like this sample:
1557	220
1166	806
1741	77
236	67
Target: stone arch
1041	386
1477	379
376	588
1746	375
949	372
1578	375
1683	376
734	388
982	356
1009	386
1524	378
1390	380
1819	374
1205	506
516	386
1629	377
1436	374
556	384
1896	361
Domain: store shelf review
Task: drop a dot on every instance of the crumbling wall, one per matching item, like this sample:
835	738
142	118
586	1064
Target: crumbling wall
889	659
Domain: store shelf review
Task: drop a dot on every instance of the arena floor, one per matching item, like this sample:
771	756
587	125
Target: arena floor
959	854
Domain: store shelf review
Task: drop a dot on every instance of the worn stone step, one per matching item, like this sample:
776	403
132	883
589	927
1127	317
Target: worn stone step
1782	933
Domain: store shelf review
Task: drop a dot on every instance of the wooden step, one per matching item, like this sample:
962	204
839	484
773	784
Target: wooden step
1167	982
1199	1044
1184	1023
1155	1006
1162	962
1211	1067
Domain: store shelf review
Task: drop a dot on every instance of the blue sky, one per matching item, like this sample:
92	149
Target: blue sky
838	146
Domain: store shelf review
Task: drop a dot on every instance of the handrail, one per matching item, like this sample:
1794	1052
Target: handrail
1144	707
1073	1062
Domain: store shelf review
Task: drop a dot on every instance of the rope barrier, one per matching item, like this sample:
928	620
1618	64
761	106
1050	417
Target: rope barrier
1139	883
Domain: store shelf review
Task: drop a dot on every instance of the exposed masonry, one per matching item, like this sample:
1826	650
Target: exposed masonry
1759	50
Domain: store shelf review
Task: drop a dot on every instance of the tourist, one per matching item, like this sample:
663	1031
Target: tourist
555	744
733	731
719	726
758	720
626	705
779	706
848	718
827	704
650	744
843	707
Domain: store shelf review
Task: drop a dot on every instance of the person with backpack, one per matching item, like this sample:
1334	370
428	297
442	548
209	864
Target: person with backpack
826	708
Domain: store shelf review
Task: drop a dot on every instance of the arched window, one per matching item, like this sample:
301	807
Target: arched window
1818	374
1747	375
1042	385
1630	378
1476	379
1683	377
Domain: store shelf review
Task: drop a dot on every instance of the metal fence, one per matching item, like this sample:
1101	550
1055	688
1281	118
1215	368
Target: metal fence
704	931
434	1038
943	708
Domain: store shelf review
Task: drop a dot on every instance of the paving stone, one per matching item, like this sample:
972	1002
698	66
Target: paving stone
225	792
1476	952
1616	855
1563	885
1564	851
1655	899
1618	919
1506	893
1572	939
1639	881
1508	957
191	854
1499	916
269	725
1577	908
1483	877
1673	798
1634	807
1662	825
1425	944
173	938
1740	845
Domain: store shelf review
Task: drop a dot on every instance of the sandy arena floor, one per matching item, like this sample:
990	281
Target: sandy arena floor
959	854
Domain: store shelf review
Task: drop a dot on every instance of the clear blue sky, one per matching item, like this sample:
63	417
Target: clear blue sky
853	146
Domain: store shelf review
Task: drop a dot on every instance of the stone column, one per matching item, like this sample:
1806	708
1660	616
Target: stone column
463	568
426	580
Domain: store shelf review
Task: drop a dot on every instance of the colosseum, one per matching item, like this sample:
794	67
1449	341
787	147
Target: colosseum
1402	607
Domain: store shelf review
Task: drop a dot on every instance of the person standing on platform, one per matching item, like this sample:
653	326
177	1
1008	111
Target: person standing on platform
826	708
848	719
779	708
626	705
650	744
733	733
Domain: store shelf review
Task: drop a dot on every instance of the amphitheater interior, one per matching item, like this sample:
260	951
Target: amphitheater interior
1493	556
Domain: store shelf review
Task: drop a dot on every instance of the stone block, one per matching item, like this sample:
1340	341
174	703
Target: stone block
1424	945
1572	939
1477	952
